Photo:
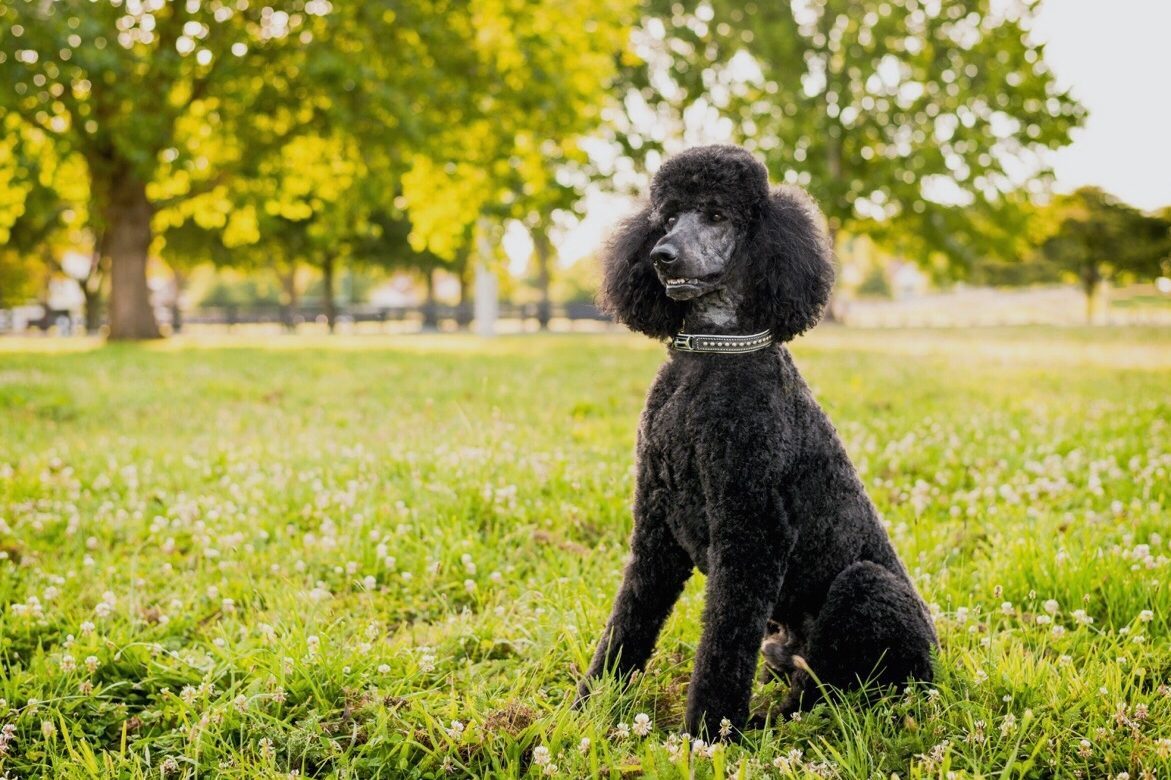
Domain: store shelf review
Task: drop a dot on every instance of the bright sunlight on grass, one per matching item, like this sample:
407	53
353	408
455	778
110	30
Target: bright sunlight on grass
389	558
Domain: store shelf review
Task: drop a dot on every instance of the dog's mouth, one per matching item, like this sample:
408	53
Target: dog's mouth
683	288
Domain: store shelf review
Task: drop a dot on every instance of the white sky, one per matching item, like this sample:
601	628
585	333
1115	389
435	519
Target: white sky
1115	55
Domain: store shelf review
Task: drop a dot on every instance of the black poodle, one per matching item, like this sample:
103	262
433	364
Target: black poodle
740	472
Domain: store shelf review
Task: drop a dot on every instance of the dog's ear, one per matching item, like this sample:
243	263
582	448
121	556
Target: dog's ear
793	255
631	291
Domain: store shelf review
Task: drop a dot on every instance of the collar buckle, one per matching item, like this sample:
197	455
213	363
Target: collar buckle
683	342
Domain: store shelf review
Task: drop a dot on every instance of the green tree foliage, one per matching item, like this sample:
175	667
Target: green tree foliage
168	102
148	94
915	121
543	71
42	215
1095	237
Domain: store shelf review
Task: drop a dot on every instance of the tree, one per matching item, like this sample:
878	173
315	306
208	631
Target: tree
165	101
42	216
914	120
1095	237
545	72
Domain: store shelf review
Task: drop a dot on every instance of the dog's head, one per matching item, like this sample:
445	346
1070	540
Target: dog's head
712	224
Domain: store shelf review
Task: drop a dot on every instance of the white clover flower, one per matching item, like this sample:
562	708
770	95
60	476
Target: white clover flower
49	729
583	747
790	762
188	694
642	724
68	664
426	663
1146	616
384	668
1044	620
550	770
470	586
87	628
456	732
1006	608
1050	606
541	755
265	745
7	737
1085	749
622	730
725	728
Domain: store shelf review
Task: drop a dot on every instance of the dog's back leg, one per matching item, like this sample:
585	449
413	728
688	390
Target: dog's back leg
872	629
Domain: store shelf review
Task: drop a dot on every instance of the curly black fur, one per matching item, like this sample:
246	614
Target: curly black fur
742	475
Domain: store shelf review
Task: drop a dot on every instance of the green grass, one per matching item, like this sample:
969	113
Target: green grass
236	560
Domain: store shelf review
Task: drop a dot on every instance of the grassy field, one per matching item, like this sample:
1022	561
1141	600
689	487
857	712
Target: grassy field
377	557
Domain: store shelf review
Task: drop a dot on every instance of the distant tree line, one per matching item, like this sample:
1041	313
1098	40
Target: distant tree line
408	134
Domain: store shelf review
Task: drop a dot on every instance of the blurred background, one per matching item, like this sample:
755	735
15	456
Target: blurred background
411	165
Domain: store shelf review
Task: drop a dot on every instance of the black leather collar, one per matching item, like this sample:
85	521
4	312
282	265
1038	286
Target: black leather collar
700	342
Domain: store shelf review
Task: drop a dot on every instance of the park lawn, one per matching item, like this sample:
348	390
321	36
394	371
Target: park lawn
232	559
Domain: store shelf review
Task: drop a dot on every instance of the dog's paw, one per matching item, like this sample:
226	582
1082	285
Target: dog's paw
780	658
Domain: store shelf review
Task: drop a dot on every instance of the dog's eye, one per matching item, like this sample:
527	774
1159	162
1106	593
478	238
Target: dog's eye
716	216
671	220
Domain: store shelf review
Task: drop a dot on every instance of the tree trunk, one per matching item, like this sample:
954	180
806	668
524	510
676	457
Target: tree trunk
543	251
463	315
179	280
91	291
289	283
327	292
1090	281
93	309
126	241
835	308
430	311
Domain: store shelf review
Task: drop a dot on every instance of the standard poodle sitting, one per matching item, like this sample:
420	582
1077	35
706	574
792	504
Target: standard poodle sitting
740	472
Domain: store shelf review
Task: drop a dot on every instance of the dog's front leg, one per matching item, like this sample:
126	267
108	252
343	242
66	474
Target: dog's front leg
741	589
654	578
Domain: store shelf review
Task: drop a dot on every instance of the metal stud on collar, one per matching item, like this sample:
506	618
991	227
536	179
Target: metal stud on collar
702	342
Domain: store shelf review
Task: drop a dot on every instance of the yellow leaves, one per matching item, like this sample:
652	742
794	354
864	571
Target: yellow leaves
14	188
443	200
294	211
243	227
314	174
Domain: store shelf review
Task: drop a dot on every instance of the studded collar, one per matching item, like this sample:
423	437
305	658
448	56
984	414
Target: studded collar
701	342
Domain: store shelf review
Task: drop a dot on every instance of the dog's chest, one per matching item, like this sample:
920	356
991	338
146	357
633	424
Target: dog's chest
672	446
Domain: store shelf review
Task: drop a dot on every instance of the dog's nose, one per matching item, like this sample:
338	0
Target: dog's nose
664	254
